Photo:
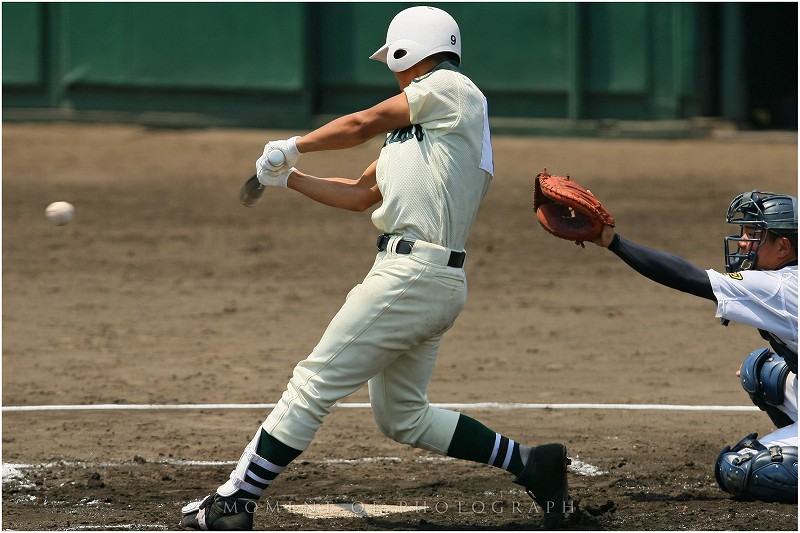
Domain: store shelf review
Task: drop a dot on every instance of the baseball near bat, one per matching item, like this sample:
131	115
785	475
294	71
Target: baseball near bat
253	189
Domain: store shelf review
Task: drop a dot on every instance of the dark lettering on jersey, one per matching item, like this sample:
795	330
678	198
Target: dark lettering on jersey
735	275
403	134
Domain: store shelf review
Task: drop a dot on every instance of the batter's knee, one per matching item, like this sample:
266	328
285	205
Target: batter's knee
401	426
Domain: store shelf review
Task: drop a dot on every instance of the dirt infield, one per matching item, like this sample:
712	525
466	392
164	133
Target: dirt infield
165	290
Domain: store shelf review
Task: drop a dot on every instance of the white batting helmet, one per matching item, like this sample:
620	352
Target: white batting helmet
416	33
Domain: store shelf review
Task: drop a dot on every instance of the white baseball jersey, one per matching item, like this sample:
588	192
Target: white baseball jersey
764	299
434	174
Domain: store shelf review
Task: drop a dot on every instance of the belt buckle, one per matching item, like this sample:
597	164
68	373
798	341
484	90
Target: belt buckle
383	242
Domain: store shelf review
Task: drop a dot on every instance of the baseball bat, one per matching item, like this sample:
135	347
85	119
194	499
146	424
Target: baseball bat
251	191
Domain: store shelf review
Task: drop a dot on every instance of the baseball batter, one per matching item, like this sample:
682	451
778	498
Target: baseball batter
759	289
433	171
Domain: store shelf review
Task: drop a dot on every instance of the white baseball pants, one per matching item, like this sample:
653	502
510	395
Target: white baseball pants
386	334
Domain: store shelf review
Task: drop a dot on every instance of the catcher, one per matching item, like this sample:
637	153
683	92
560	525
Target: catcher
759	289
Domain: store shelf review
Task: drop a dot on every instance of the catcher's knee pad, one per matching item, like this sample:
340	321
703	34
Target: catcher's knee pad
763	376
751	471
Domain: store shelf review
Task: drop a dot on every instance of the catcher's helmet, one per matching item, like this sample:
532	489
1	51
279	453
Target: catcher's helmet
763	212
416	33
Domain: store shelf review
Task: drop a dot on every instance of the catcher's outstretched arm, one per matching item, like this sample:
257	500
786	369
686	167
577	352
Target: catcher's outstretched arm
661	267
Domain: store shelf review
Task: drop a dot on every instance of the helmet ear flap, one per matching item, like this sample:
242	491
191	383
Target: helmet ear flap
403	54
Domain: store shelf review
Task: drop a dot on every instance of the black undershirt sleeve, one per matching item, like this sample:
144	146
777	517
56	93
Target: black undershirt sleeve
661	267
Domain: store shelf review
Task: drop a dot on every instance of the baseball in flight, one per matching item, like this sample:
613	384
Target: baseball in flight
59	213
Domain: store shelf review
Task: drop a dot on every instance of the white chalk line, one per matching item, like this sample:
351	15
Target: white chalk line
115	527
13	471
464	406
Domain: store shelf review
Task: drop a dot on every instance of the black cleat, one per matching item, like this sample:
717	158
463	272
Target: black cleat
545	480
219	513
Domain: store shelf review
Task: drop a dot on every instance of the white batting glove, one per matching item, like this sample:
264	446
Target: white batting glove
274	179
290	154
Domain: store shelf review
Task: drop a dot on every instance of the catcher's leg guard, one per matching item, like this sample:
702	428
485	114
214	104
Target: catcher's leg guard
545	480
750	471
763	376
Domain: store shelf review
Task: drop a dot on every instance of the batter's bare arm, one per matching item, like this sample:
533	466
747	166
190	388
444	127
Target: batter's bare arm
344	132
353	195
357	128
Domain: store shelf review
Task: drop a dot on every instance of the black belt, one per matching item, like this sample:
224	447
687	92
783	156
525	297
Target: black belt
404	247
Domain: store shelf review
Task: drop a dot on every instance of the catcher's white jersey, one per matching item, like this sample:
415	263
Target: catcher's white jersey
434	174
763	299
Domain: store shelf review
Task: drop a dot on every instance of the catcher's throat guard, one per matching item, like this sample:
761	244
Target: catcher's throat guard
567	210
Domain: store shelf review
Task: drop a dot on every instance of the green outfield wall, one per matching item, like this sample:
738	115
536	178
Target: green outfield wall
288	64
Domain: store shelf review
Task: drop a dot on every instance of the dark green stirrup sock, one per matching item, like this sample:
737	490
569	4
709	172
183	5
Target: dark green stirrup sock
274	451
475	442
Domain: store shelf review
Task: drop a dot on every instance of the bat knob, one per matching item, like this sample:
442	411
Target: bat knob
276	159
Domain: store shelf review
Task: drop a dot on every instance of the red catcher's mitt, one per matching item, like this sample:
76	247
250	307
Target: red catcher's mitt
567	210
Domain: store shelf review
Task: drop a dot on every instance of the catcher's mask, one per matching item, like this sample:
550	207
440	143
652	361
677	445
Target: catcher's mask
757	213
416	33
